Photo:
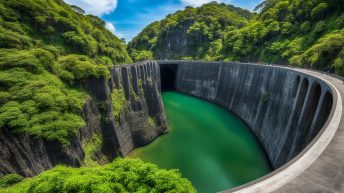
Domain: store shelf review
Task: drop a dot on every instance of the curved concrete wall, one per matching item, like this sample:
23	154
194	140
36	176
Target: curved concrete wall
285	109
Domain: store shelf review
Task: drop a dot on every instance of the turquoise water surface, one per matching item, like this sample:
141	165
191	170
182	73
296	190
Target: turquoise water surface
210	146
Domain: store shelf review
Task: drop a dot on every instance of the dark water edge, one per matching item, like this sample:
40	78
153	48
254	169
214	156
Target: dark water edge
210	146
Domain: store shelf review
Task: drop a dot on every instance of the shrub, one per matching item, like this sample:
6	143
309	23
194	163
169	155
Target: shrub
10	180
118	102
34	60
141	55
90	148
122	175
74	68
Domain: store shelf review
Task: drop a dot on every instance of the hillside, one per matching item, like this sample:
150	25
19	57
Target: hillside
191	33
46	51
306	33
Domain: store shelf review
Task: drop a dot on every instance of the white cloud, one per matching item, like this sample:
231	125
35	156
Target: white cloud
112	29
197	3
95	7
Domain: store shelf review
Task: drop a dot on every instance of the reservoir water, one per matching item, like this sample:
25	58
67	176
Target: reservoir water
210	146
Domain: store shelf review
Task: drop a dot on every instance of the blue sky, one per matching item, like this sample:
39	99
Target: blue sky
126	18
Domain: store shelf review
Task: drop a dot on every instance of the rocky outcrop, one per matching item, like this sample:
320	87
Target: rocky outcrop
285	109
28	156
141	121
144	117
176	42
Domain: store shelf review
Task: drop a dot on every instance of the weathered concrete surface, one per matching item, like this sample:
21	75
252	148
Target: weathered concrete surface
286	110
319	167
280	106
29	156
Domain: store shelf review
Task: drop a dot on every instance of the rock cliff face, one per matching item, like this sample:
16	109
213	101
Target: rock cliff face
176	42
285	109
141	121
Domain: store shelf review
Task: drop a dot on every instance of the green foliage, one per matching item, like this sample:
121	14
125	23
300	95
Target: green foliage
91	147
118	102
35	101
75	68
319	10
141	55
25	22
10	180
46	50
34	60
327	50
203	25
298	32
122	175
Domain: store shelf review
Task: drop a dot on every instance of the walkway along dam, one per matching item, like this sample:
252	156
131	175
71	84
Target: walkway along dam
295	114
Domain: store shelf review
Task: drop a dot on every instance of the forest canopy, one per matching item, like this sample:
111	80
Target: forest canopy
307	33
47	50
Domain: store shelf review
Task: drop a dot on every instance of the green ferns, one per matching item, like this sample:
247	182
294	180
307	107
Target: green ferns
118	102
122	175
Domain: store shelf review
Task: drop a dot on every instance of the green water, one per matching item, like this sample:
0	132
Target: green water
211	147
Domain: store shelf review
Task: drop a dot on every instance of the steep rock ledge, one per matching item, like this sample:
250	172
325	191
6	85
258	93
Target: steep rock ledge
142	120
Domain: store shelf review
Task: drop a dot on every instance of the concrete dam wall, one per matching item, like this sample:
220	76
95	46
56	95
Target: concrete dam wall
140	83
285	109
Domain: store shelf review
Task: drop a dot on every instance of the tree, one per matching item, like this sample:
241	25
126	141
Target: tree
77	9
319	11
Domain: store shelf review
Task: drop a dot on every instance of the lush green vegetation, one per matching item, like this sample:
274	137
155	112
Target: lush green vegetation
205	26
122	175
306	33
47	49
118	102
92	148
10	180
